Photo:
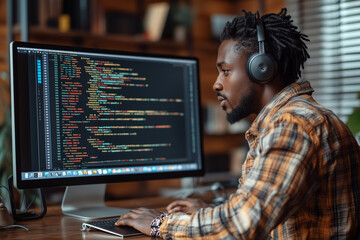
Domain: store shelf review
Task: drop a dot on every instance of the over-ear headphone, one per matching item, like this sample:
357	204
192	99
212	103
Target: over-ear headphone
261	67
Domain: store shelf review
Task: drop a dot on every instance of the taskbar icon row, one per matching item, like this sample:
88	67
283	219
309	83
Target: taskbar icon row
107	171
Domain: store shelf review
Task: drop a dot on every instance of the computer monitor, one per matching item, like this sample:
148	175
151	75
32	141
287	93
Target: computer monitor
87	116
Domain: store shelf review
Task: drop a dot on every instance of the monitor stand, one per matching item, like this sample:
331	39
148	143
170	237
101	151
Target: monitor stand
88	202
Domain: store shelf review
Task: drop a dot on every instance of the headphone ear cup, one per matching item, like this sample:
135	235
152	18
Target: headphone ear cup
261	68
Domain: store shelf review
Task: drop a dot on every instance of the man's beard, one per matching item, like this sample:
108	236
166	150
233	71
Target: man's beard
243	109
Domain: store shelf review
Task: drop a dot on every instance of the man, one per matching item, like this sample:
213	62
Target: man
301	175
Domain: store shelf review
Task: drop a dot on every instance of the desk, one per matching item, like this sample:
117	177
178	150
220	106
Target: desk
55	225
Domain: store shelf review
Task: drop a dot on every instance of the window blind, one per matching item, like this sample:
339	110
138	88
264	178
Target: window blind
333	27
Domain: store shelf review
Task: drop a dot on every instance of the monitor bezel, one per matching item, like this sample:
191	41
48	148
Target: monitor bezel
21	123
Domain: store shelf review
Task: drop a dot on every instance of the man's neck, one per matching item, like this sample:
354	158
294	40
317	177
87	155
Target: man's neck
269	90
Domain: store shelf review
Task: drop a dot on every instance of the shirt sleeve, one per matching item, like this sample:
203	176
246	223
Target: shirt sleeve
281	179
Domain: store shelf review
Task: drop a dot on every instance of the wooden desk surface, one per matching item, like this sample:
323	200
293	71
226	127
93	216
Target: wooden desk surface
55	225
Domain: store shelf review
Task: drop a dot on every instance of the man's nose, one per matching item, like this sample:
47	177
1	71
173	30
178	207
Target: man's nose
217	86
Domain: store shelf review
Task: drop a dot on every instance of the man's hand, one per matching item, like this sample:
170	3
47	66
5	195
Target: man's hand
139	219
189	205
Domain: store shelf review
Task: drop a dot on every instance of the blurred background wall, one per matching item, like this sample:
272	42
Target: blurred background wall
176	27
187	28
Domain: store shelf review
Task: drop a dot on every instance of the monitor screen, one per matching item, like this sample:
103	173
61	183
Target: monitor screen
87	116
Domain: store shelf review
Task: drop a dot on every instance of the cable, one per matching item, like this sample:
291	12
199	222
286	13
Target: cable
14	226
2	186
30	203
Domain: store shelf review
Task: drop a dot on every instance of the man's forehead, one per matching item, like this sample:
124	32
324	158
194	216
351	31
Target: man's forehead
227	45
227	52
237	47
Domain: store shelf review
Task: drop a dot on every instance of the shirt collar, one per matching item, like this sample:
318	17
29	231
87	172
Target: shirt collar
280	99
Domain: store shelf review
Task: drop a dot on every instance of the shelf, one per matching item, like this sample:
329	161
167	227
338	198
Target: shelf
46	34
222	144
211	46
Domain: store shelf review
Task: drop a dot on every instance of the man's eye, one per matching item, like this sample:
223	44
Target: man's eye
226	71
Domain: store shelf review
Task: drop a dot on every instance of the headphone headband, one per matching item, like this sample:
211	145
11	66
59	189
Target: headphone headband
260	31
260	36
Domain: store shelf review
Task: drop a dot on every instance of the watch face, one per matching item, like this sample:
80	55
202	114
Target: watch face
156	222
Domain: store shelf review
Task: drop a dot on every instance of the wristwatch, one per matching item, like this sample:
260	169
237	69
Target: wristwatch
156	223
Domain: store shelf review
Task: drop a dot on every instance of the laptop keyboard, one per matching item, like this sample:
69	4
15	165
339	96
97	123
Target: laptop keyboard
108	225
105	222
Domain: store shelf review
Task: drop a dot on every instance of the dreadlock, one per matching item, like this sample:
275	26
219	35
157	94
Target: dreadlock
282	40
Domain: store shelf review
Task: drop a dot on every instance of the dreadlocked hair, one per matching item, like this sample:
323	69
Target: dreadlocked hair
282	40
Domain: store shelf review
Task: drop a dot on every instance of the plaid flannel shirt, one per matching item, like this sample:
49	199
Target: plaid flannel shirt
300	179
